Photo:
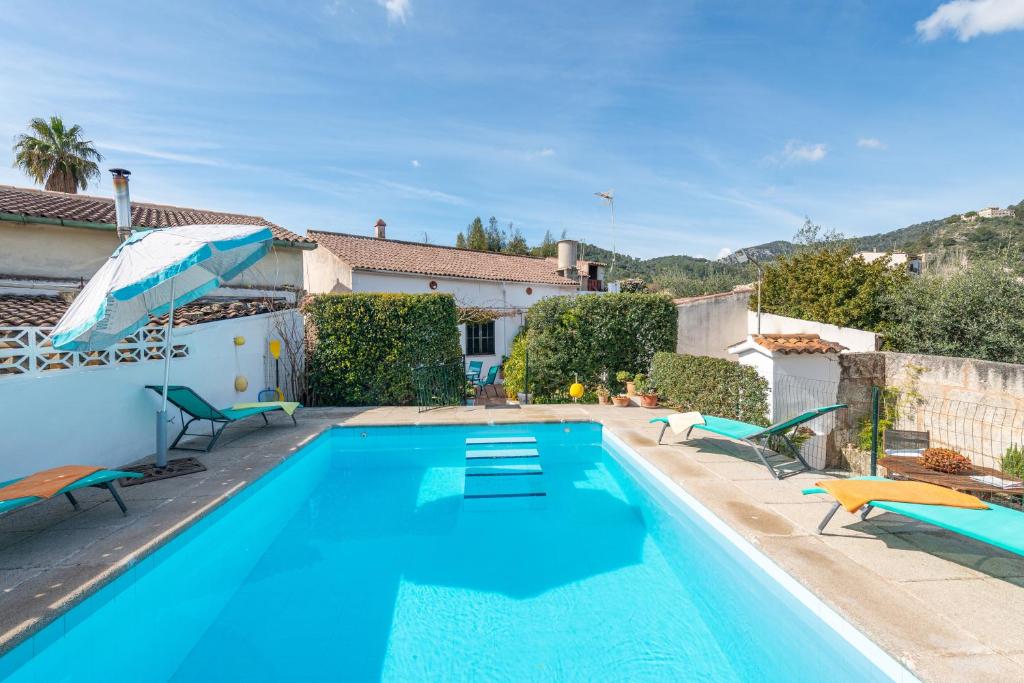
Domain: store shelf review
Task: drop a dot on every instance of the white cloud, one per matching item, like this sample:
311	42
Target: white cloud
723	252
415	163
799	152
540	153
163	155
972	18
871	143
398	10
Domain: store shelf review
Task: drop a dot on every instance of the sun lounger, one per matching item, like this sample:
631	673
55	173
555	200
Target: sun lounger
103	479
1000	526
756	436
190	403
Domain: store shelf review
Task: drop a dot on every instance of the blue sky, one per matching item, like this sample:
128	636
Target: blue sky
718	124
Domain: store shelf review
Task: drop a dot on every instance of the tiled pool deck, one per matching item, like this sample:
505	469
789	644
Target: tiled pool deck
947	607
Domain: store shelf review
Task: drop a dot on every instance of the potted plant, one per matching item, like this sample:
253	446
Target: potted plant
646	391
626	379
621	400
602	394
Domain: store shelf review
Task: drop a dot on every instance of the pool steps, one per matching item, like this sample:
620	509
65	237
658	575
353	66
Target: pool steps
502	454
478	441
493	473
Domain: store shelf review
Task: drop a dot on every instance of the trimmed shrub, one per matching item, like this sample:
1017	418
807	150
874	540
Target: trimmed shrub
711	386
586	337
364	346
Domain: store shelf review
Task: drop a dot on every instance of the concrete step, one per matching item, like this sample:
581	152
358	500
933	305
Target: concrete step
502	454
479	441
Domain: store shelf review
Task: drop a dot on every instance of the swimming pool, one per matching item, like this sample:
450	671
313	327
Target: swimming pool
514	552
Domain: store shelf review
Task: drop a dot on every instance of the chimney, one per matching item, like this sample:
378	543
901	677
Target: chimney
122	203
567	259
378	229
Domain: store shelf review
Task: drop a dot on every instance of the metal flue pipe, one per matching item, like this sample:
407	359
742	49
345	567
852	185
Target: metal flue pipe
122	203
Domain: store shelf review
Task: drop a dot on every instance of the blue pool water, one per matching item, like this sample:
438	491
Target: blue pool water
361	558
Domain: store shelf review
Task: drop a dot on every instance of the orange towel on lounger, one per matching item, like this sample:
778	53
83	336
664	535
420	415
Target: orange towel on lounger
853	494
46	483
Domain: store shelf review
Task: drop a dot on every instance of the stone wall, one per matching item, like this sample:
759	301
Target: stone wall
975	407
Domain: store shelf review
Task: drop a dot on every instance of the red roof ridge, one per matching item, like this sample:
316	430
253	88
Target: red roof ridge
399	256
371	238
94	209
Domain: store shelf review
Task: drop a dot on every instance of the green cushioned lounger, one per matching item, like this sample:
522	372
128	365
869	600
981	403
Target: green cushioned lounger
756	436
1000	526
190	403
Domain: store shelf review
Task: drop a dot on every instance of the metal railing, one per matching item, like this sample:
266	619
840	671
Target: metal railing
440	384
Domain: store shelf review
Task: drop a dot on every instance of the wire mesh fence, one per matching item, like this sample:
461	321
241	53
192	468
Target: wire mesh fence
991	436
793	395
440	384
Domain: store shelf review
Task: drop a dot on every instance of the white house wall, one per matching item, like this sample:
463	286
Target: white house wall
38	250
709	325
105	416
325	273
53	251
468	293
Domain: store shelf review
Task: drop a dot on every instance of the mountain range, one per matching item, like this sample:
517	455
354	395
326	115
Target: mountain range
938	239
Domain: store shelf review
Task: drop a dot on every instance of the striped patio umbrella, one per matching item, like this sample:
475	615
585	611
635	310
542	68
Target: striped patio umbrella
152	273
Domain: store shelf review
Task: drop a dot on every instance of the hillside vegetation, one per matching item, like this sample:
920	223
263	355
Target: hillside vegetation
940	238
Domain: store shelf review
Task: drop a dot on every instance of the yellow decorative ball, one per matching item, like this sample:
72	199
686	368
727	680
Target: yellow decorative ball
239	340
241	383
576	390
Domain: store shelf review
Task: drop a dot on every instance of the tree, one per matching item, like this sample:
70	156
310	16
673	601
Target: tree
476	236
830	286
814	236
495	235
460	241
56	156
548	246
977	312
516	242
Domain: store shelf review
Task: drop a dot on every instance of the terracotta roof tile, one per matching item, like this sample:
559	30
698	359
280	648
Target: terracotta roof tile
797	343
44	311
370	253
88	209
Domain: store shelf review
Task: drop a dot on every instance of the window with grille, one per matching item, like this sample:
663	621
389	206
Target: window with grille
480	339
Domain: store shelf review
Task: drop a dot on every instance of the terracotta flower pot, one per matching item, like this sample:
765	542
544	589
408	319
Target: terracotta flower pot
649	400
621	400
630	389
603	399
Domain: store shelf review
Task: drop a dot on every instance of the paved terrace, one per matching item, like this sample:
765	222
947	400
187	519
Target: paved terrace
948	607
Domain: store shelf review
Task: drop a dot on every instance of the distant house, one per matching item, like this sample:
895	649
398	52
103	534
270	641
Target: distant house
53	242
896	259
996	212
501	285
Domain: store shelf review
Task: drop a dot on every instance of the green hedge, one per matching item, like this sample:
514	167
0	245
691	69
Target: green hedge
587	336
364	345
711	386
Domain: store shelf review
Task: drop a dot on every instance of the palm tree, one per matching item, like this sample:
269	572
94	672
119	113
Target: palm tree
56	155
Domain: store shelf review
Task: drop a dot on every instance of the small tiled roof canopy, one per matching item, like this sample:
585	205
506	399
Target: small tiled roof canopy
797	343
19	201
44	311
370	253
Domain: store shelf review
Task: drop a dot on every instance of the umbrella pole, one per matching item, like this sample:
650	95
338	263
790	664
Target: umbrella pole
161	417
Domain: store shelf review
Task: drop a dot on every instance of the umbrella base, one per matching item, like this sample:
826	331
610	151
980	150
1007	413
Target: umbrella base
174	468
